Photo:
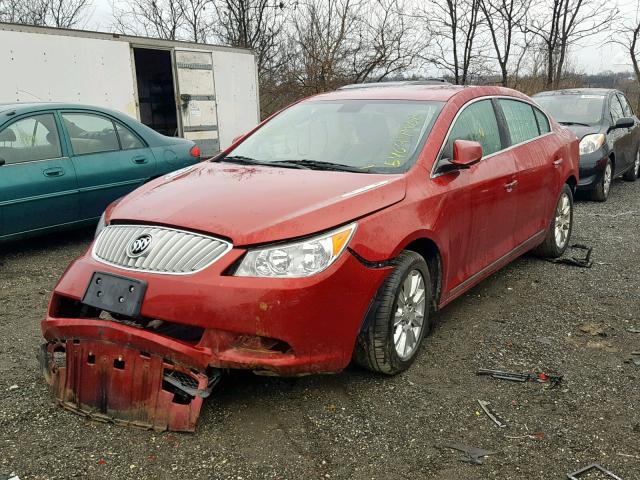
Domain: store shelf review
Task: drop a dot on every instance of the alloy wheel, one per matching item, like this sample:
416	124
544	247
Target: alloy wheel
563	221
606	180
409	315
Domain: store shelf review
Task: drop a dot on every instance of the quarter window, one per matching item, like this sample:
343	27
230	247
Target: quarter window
90	133
543	122
478	123
29	139
520	120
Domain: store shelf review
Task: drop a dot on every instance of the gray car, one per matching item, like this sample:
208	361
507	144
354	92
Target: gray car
608	130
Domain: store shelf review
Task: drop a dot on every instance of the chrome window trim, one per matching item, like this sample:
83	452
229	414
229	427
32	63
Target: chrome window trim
228	247
510	147
26	117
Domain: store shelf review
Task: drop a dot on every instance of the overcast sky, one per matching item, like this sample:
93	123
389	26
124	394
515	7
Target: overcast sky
595	55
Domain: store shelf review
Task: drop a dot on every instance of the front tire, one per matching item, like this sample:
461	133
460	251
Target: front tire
393	331
631	175
559	231
601	192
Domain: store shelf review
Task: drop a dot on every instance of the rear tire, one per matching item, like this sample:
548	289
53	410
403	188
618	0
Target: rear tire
601	192
631	175
401	310
560	227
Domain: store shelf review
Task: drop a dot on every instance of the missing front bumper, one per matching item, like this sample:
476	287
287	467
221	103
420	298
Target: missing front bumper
112	383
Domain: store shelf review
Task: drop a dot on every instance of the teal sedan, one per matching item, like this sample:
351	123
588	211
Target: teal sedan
62	164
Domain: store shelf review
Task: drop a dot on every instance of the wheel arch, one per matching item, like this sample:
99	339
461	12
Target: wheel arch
430	251
572	182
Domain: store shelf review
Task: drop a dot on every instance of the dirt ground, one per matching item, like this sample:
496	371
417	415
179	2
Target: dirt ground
532	315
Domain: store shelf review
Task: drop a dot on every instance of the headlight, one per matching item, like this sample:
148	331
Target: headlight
101	224
591	143
300	259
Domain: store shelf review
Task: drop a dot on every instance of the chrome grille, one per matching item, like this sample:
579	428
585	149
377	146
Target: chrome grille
170	251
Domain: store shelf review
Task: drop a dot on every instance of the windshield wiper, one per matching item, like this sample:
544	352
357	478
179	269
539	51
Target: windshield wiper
574	123
320	165
252	161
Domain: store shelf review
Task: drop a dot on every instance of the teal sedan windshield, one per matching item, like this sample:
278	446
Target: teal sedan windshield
357	135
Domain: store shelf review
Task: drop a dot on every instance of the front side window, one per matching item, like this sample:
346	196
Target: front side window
478	123
364	135
573	108
616	109
29	139
90	133
520	120
626	108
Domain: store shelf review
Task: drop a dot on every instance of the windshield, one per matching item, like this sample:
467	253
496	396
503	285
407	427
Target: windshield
361	135
573	109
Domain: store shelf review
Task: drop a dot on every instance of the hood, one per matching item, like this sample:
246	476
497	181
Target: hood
254	204
580	130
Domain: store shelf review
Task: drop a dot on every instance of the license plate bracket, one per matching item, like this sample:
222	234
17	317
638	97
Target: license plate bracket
115	293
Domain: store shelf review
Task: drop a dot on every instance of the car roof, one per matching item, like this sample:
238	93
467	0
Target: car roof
413	91
577	91
27	107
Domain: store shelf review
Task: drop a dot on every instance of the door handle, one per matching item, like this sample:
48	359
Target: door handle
139	160
510	186
558	161
53	172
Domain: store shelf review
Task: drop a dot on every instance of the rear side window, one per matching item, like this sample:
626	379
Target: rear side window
29	139
543	122
520	120
478	123
128	140
90	133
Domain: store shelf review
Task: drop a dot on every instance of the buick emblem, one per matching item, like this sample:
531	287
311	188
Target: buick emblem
139	245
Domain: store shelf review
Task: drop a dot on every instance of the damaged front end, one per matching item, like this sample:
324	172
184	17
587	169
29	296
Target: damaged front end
114	383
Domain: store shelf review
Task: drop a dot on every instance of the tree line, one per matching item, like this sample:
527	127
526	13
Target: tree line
309	46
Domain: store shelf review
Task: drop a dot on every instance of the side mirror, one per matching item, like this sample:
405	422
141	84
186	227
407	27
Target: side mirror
624	122
466	153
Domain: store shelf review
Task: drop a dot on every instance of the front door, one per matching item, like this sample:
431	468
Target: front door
109	159
38	186
197	99
480	204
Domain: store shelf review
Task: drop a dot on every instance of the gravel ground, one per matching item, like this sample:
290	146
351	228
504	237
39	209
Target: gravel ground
531	315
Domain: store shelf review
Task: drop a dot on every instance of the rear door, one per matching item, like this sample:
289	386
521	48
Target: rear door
197	99
38	186
110	160
535	152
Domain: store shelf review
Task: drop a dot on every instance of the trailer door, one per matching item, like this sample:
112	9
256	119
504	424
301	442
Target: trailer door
197	99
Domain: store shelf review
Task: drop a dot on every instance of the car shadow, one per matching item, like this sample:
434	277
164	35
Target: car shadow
41	243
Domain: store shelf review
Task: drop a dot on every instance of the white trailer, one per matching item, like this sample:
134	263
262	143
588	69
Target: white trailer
205	93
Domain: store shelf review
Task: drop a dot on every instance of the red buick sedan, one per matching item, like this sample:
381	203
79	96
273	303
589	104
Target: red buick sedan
331	232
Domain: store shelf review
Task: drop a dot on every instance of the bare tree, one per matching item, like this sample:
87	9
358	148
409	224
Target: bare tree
563	24
254	24
505	19
152	18
347	41
196	19
52	13
67	13
454	28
